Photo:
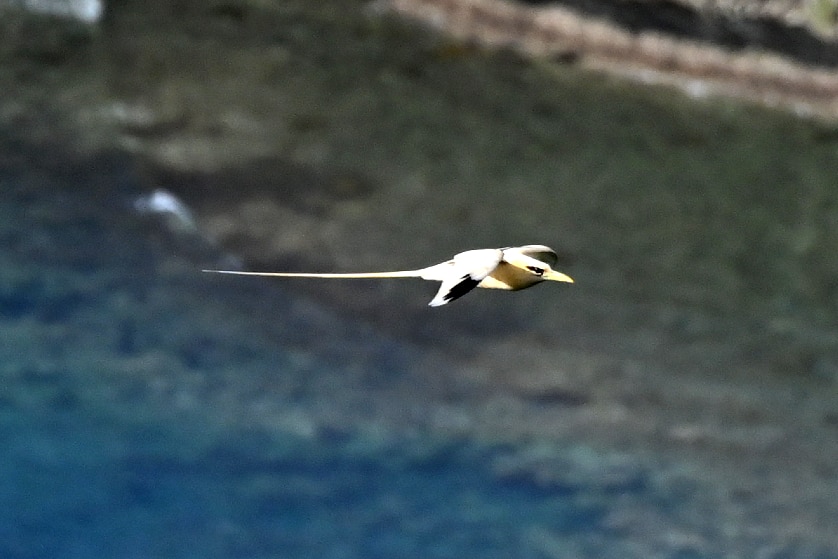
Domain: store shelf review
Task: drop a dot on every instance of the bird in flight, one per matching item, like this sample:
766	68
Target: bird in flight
510	268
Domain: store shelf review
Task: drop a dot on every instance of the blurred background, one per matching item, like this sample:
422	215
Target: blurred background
679	400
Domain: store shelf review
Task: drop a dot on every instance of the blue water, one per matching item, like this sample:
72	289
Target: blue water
148	412
73	488
112	429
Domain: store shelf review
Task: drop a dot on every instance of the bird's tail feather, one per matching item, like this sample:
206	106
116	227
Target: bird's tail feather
361	275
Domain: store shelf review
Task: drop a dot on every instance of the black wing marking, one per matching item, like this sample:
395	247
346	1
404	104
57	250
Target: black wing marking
466	284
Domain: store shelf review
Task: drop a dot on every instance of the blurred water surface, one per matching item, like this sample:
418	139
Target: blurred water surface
123	435
76	487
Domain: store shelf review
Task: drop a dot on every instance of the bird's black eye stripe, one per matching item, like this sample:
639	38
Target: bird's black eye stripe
535	270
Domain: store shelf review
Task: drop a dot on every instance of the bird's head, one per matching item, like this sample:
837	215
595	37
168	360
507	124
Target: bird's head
538	260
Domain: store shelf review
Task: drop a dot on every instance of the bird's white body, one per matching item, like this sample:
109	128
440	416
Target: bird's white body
510	268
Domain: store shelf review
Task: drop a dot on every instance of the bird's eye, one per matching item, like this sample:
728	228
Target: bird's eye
535	270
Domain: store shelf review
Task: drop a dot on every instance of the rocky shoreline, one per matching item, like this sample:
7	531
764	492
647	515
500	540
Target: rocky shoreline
702	52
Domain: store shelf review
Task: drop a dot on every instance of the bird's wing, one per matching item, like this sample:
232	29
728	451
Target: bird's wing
539	252
462	273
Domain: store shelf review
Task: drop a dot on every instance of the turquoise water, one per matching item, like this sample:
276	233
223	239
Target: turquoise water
124	411
147	412
74	488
